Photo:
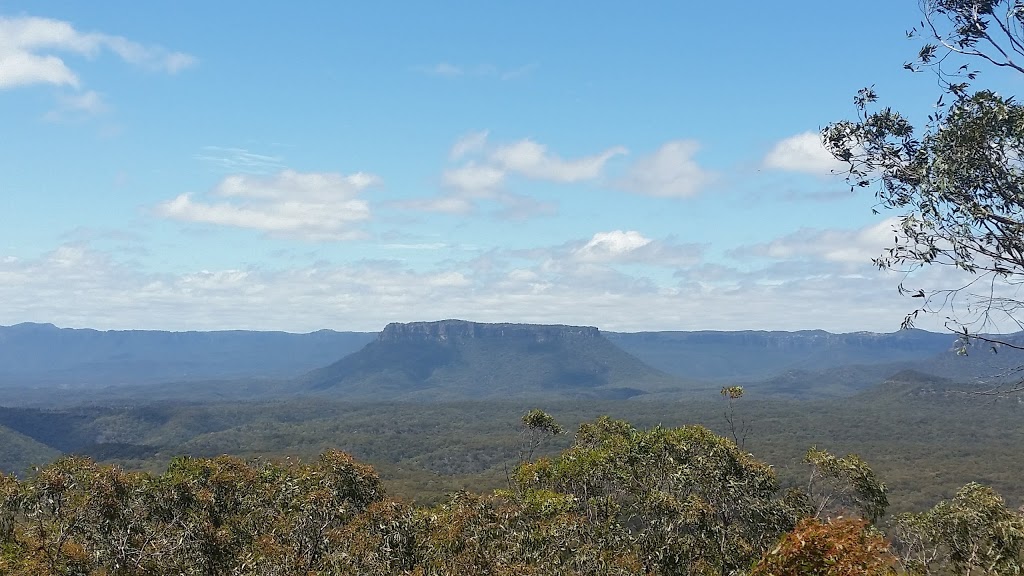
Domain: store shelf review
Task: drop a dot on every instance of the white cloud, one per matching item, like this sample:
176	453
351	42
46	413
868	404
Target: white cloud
314	206
22	68
671	172
532	160
609	245
852	247
524	158
606	250
28	44
632	247
803	152
483	171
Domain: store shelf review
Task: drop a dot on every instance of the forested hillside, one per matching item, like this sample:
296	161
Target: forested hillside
924	440
618	500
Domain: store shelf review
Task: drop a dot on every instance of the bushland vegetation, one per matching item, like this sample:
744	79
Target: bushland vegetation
617	500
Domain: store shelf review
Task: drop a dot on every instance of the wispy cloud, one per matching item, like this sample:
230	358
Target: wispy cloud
474	180
470	143
312	206
450	70
239	160
444	204
444	69
513	73
522	207
70	106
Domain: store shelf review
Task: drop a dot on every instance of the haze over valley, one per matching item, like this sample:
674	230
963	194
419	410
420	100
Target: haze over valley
464	360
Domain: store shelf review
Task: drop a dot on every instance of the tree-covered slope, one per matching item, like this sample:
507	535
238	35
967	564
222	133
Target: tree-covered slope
18	451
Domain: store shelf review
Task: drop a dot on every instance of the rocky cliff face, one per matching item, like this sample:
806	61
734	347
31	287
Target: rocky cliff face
457	330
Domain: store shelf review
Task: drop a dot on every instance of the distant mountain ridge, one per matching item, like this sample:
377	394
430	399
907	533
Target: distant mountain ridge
43	354
455	359
755	355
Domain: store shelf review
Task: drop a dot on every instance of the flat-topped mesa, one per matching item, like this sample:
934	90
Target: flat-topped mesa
450	330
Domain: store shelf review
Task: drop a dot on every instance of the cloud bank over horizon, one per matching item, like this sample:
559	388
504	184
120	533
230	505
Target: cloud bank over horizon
605	280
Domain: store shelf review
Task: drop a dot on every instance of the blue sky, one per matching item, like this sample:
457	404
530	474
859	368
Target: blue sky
221	165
